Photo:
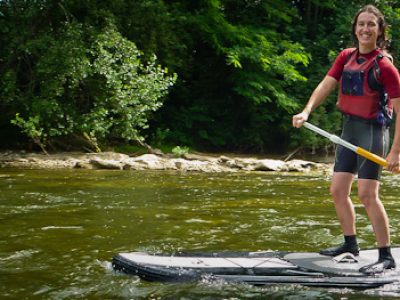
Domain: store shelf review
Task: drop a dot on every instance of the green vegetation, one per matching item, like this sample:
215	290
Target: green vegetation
179	151
215	75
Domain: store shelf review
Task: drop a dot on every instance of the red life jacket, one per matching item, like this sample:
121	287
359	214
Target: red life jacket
356	97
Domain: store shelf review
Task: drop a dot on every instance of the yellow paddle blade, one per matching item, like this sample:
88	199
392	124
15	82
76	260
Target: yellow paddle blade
371	156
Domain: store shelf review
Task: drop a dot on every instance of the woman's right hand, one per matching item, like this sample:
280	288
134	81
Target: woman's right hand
299	119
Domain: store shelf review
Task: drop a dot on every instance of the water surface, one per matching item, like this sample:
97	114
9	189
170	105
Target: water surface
60	229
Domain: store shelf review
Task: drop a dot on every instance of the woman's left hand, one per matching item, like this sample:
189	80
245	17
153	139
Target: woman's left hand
393	160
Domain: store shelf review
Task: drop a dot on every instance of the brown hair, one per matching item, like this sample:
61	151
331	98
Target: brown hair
381	41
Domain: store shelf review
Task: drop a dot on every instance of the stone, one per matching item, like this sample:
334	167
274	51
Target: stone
187	163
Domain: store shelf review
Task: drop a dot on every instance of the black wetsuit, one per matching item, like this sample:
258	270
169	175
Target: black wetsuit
365	134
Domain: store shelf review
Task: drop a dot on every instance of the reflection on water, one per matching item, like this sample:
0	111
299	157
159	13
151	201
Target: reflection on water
60	229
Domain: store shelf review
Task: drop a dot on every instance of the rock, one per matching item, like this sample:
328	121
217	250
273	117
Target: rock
234	164
150	161
190	156
106	164
109	156
270	165
301	165
131	165
223	158
83	165
188	163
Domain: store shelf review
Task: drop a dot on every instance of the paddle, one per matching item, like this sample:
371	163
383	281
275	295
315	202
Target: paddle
337	140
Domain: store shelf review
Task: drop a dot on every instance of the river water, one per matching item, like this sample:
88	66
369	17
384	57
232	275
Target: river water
60	229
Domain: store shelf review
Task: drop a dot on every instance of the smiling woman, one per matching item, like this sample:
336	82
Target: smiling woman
369	29
367	110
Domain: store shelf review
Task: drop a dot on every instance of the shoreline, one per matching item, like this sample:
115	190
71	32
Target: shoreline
187	162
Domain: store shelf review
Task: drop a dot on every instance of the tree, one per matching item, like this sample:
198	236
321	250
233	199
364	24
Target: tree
245	67
85	81
241	64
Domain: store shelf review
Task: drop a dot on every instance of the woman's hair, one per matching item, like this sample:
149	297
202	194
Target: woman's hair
381	41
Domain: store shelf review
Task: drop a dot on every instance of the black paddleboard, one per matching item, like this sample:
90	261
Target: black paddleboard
262	267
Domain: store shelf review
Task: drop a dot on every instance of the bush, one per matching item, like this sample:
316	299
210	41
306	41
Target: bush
88	83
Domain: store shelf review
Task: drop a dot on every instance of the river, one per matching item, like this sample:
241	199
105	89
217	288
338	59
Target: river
61	228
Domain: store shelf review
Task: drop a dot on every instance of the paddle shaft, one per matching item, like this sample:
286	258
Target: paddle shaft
337	140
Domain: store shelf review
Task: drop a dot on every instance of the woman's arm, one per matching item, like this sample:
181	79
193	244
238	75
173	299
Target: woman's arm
324	88
393	157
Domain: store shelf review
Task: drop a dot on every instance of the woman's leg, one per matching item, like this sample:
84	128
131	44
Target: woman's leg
340	191
368	192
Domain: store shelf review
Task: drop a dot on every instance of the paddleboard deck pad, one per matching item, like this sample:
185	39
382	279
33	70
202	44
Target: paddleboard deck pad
260	268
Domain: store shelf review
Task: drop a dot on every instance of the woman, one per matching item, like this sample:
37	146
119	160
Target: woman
366	120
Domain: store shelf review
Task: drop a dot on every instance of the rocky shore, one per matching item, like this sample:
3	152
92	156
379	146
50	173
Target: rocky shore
188	162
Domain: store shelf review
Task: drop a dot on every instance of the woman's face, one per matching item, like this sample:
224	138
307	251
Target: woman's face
367	30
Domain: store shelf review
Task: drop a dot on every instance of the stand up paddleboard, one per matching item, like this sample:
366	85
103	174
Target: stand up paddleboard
260	268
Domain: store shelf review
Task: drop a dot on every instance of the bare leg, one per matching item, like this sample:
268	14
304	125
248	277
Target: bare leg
368	192
340	191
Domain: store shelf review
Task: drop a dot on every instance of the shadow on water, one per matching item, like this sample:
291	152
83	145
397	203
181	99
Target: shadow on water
60	229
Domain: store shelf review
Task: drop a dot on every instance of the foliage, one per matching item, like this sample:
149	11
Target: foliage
86	81
245	67
179	151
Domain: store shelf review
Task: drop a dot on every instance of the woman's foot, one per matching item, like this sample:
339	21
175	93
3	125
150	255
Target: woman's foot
381	265
344	248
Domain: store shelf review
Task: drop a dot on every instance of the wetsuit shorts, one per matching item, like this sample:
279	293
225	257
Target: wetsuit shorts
367	135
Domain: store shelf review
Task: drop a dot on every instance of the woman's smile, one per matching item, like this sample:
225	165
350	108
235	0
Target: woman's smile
367	31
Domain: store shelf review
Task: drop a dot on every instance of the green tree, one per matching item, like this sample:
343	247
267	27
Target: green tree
71	67
241	64
88	82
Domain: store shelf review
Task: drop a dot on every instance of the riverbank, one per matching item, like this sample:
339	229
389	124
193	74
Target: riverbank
188	162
